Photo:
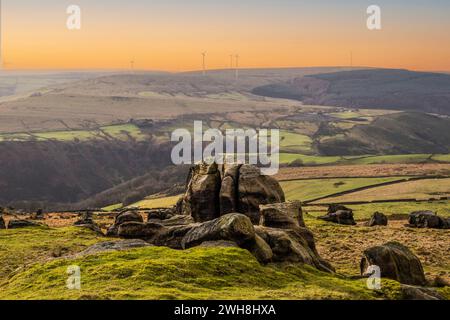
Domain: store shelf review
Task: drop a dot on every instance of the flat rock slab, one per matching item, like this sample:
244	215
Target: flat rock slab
109	246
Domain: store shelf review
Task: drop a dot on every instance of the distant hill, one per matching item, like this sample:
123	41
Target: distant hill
398	133
376	88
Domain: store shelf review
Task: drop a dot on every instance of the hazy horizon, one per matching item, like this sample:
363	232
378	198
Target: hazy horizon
169	35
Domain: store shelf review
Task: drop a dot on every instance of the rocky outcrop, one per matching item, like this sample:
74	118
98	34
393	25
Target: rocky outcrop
123	217
396	262
427	219
378	219
221	207
344	217
2	222
234	227
17	224
214	190
287	215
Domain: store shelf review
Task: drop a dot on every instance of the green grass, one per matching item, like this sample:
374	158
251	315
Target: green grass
199	273
120	132
153	203
21	247
113	207
304	190
294	142
286	158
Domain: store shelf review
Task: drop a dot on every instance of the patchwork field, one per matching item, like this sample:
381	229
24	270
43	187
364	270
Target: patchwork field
305	190
419	190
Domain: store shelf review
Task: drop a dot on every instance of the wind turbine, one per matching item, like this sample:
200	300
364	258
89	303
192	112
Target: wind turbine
204	62
132	65
231	61
237	67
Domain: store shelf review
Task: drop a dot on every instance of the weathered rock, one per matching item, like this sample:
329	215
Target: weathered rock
286	215
215	190
177	220
17	224
2	222
420	293
260	249
160	214
344	217
201	200
219	243
121	218
293	246
118	245
332	208
86	221
229	189
426	219
396	262
171	236
234	227
378	219
255	189
138	230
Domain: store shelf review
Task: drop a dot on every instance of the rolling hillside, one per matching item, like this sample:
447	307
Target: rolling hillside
377	89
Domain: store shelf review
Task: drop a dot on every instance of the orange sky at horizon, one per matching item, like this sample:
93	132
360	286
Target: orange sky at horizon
263	40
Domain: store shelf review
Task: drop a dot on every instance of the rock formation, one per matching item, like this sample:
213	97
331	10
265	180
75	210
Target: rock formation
396	262
378	219
229	205
214	190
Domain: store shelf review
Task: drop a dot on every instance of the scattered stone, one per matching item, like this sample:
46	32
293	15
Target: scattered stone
396	262
344	217
332	208
420	293
177	220
378	219
86	221
287	215
17	224
121	218
234	227
427	219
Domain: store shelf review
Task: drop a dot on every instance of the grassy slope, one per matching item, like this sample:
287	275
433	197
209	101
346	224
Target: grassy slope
310	189
162	273
22	247
155	203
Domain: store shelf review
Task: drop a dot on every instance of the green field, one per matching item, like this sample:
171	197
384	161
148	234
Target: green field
120	132
286	158
293	142
154	203
30	269
305	190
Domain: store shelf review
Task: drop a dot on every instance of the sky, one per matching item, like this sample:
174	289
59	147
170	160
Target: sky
171	34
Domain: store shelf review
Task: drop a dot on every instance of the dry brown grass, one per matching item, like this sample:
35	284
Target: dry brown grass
343	245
